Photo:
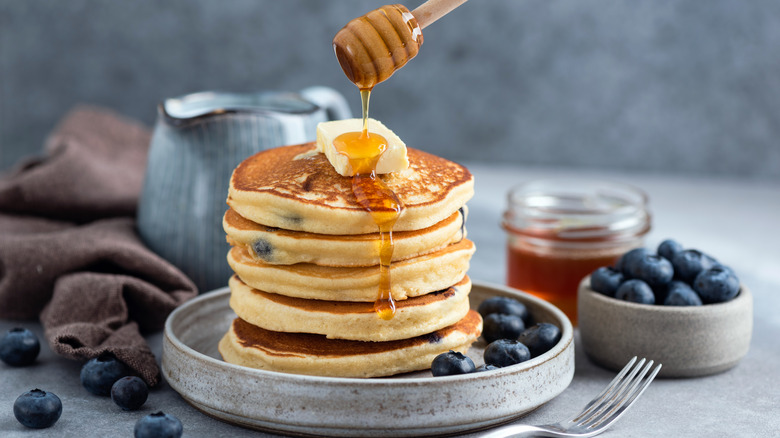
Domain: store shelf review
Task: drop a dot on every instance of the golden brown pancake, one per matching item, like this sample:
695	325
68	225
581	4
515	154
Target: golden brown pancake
296	188
350	320
251	346
279	246
409	278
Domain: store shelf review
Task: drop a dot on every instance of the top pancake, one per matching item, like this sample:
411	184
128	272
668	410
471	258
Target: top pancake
296	188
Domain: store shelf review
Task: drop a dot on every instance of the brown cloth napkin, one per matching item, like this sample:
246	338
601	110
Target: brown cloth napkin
69	251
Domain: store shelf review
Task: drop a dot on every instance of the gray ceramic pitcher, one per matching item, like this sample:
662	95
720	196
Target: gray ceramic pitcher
198	140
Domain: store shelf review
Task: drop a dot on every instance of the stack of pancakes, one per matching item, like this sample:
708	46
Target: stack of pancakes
306	258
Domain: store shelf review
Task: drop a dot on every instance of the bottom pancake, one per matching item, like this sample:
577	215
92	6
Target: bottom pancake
298	353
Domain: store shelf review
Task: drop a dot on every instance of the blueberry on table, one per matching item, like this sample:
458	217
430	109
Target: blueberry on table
668	248
501	326
688	263
606	280
158	425
506	352
635	291
99	374
653	269
37	409
540	338
716	284
129	393
452	363
19	347
679	293
505	305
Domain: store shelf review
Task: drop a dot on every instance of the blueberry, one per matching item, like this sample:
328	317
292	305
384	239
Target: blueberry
263	249
505	352
540	338
668	248
716	284
681	294
486	367
452	363
38	409
653	269
158	425
505	305
19	347
501	326
625	264
129	393
100	373
688	263
635	291
606	280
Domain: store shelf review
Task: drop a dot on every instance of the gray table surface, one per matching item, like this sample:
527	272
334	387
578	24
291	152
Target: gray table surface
733	220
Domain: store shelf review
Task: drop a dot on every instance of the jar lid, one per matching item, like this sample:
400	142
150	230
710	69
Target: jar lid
577	209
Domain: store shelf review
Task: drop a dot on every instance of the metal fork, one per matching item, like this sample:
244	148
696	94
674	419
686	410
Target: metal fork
598	415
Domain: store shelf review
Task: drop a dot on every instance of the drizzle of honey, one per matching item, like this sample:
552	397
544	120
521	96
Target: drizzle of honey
363	150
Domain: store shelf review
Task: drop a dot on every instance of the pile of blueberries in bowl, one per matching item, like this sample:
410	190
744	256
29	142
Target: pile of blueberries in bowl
680	307
510	338
674	276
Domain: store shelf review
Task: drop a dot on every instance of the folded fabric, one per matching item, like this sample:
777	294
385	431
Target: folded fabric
69	251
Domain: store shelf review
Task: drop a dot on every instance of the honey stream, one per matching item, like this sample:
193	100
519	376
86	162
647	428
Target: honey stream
363	150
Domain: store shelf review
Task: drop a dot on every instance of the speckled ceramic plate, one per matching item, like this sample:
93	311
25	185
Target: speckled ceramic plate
414	404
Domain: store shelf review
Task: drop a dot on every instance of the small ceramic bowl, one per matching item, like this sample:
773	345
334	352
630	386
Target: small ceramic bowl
689	341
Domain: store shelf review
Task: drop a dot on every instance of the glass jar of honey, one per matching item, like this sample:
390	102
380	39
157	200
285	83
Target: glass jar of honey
559	231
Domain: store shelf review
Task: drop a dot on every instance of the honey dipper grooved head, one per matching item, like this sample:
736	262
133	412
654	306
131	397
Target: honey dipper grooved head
372	47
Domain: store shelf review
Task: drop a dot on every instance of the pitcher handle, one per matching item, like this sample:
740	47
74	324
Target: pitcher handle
334	103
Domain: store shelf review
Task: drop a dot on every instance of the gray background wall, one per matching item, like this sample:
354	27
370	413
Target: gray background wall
679	86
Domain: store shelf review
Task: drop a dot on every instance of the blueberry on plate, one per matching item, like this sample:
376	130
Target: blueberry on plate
501	326
716	284
99	374
679	293
506	352
38	409
452	363
606	280
486	367
635	291
158	425
19	347
540	338
625	264
505	305
129	393
688	263
668	248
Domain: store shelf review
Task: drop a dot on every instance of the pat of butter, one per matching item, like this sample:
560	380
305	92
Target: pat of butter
393	159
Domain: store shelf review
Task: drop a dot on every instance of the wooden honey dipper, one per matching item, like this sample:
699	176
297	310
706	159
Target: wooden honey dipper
372	47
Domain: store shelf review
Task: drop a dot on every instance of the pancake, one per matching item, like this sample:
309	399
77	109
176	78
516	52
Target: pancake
347	320
279	246
409	278
296	188
251	346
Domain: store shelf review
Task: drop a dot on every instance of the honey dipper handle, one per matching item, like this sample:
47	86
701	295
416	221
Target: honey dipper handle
432	10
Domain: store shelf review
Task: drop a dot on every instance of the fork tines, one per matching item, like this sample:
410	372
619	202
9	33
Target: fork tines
616	398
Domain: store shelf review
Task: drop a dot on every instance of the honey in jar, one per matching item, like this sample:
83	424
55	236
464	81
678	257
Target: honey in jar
559	231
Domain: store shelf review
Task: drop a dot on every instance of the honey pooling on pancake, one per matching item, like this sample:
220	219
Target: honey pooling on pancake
363	150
